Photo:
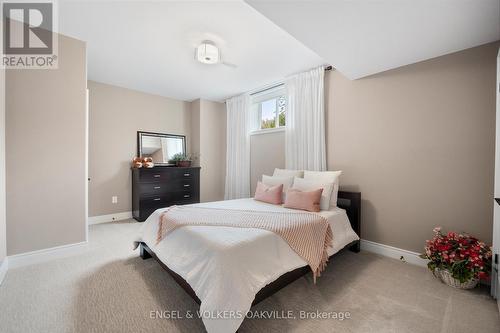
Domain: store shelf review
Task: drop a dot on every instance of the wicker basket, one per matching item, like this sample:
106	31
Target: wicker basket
447	278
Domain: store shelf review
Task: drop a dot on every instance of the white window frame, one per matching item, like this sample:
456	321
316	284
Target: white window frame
262	97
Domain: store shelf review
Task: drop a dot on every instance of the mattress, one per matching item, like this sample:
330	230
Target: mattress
227	266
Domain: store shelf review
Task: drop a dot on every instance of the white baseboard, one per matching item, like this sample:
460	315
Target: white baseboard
40	256
393	252
4	267
110	218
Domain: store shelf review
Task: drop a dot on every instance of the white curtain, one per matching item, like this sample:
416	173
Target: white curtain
238	147
305	121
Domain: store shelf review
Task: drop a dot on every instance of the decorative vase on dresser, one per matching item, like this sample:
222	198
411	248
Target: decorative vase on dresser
161	187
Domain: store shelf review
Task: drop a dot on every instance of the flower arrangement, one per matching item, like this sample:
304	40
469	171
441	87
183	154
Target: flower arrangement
465	258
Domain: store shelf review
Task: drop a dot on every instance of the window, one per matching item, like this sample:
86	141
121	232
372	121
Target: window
270	108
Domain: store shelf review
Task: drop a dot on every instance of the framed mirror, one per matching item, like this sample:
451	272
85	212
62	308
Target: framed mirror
159	146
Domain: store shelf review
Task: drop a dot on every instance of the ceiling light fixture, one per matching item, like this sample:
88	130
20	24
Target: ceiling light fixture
208	53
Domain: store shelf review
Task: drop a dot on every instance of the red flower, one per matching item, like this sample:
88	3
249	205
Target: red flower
443	250
445	247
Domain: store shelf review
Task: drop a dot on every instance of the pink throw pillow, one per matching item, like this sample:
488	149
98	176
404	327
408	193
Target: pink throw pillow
269	194
305	200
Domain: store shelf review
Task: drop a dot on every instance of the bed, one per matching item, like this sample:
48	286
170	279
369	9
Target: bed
227	270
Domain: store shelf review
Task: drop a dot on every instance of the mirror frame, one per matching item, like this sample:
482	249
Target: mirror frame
161	135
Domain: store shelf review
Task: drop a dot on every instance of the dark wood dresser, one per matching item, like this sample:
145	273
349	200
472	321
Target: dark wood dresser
160	187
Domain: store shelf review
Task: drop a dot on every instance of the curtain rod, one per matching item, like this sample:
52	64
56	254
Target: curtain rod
268	88
327	68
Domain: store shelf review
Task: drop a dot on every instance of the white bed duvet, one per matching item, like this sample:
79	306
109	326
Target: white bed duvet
226	266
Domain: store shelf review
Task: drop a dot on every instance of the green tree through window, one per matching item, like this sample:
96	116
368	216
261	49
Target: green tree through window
281	111
272	112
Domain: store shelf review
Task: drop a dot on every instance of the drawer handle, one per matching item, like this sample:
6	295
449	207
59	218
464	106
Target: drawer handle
157	176
187	174
186	195
157	187
186	185
156	199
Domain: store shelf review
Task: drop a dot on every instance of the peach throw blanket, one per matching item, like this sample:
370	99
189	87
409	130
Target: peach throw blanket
309	235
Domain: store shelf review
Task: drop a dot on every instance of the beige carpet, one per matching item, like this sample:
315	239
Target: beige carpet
110	289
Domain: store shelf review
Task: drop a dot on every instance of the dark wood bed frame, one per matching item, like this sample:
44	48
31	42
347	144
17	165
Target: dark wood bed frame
350	201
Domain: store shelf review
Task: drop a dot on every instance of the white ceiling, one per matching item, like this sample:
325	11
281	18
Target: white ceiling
149	46
362	37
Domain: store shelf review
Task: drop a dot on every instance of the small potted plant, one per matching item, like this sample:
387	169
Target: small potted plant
181	160
459	260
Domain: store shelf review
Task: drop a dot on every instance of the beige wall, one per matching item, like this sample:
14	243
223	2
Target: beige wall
417	141
209	141
116	114
267	151
45	141
195	131
3	238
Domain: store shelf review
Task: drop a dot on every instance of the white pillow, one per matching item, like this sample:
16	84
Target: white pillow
310	185
273	181
288	173
326	177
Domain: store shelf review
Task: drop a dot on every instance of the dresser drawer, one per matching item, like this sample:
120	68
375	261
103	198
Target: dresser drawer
154	189
183	196
185	202
155	175
184	173
155	201
149	204
186	184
